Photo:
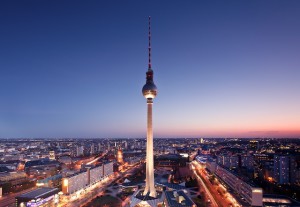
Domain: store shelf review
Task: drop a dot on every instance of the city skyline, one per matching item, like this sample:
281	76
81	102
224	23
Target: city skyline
75	70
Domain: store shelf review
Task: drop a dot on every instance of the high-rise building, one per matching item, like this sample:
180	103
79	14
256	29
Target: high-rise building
79	150
92	149
228	161
99	147
120	156
126	145
247	161
51	155
254	144
201	140
281	169
286	169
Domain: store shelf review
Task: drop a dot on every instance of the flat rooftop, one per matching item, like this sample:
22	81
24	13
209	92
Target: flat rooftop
279	200
39	193
172	185
147	197
173	201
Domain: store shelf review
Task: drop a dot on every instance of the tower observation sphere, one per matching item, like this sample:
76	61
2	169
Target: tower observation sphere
149	89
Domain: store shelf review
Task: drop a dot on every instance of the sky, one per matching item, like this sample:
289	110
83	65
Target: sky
71	68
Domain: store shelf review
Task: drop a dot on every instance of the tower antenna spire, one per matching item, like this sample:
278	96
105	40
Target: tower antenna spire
149	47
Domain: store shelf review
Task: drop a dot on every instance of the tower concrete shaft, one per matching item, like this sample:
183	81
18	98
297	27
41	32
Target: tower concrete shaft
149	154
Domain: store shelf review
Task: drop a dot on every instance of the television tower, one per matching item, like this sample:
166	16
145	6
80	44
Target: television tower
149	92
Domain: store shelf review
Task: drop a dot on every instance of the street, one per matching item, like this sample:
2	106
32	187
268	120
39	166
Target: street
217	194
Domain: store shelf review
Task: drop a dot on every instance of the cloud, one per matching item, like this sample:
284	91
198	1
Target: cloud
264	132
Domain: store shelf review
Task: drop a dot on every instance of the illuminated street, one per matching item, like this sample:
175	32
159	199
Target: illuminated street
202	184
213	191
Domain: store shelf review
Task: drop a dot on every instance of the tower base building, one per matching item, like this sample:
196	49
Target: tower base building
138	199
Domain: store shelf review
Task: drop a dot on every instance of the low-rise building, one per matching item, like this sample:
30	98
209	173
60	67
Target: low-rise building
12	176
38	197
178	199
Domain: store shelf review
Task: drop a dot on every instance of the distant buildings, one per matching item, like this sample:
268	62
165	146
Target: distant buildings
134	160
228	161
247	161
272	163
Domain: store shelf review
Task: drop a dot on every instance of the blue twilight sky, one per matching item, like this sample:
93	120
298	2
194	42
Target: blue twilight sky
72	68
